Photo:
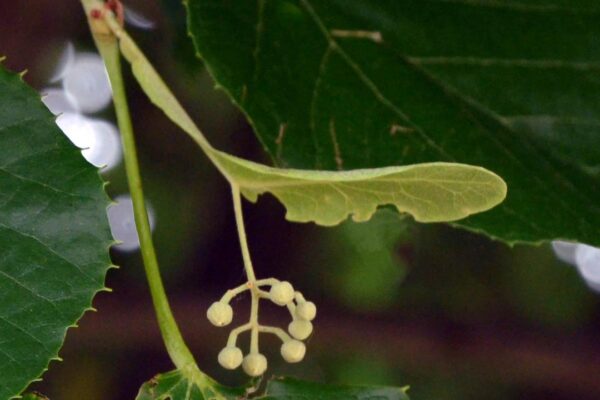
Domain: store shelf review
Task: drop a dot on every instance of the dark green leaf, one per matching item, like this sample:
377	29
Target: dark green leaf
54	235
293	389
511	86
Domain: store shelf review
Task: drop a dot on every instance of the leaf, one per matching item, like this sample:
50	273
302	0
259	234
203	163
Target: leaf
175	385
293	389
356	84
34	396
429	192
54	236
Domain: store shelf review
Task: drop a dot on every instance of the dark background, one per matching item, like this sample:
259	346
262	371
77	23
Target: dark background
452	314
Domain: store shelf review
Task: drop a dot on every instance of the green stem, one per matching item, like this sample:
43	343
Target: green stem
239	221
254	323
176	347
254	290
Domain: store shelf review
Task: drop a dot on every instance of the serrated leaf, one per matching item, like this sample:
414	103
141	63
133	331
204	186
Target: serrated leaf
510	86
294	389
429	192
54	235
175	385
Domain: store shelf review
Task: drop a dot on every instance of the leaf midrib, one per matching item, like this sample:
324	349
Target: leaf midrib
298	182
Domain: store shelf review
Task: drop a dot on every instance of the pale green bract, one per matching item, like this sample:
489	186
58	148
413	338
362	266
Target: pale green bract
430	192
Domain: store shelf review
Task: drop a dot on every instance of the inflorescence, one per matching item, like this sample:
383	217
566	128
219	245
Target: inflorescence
282	294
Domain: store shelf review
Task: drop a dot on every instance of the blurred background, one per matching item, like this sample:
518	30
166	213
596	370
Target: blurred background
452	314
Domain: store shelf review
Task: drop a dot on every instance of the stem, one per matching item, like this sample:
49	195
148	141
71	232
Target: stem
239	220
233	335
176	347
231	293
292	309
254	291
280	333
254	323
267	282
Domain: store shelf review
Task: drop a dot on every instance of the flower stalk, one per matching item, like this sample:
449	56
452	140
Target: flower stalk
108	47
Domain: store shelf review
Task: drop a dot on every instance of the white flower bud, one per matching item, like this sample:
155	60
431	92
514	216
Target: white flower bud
282	293
307	310
300	329
230	357
255	364
293	351
219	314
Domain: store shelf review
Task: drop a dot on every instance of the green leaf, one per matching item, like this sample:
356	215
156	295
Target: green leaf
293	389
54	235
429	192
175	385
34	396
510	86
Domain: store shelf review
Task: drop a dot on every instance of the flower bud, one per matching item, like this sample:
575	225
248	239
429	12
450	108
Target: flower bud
254	364
282	293
219	313
230	357
293	351
300	329
307	310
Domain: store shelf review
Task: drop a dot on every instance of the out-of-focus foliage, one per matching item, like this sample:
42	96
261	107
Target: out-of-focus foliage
359	262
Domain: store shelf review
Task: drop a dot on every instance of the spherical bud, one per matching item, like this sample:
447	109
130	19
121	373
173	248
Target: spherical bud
282	293
230	357
255	364
219	313
300	329
293	351
307	310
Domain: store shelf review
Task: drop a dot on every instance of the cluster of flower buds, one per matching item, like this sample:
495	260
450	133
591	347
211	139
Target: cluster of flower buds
281	293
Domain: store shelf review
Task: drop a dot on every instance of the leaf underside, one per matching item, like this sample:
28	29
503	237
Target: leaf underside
511	86
54	235
430	192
